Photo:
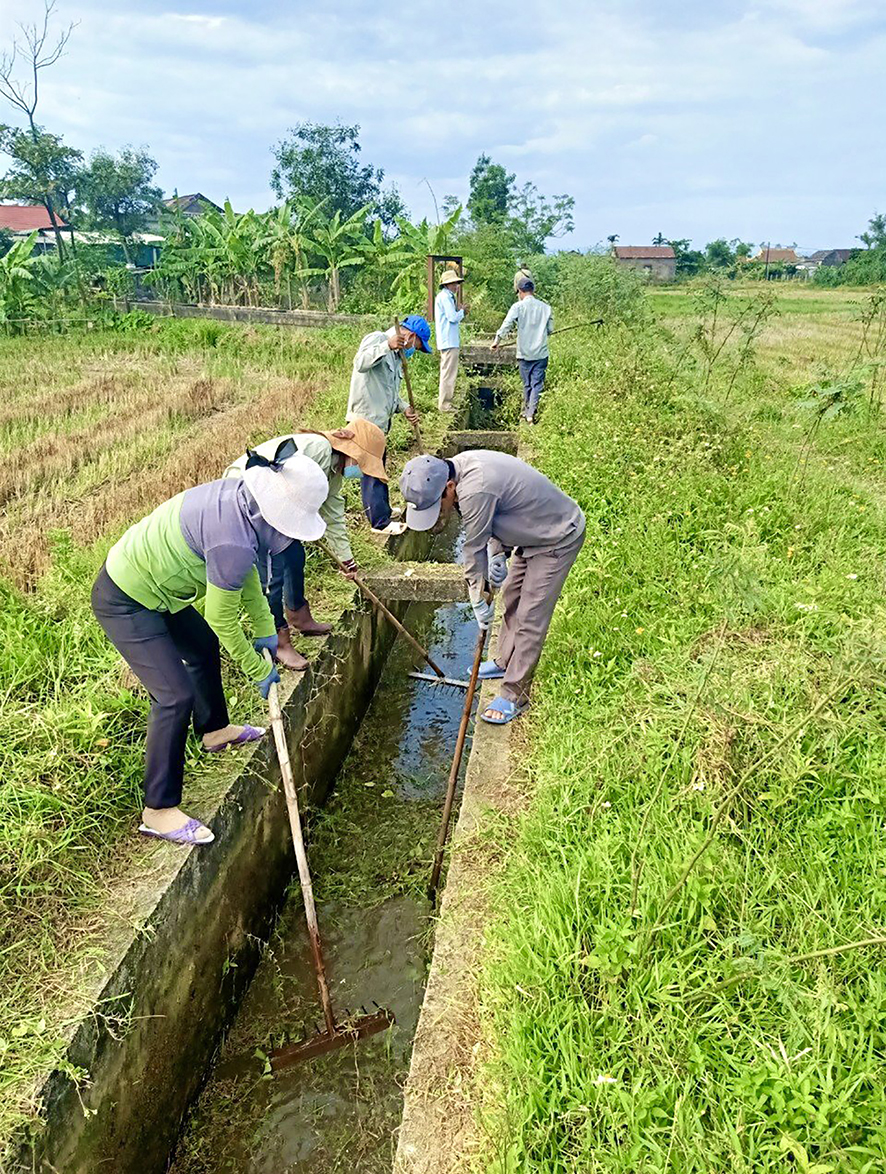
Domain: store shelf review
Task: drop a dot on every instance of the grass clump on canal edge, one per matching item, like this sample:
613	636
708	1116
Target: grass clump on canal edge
705	821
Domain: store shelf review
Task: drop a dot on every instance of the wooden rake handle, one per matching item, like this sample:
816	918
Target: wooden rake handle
389	615
443	834
405	368
298	843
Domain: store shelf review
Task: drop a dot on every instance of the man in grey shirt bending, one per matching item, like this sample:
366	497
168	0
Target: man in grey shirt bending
534	320
509	511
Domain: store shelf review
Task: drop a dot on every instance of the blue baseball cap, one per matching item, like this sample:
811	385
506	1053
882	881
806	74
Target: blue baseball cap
420	329
422	483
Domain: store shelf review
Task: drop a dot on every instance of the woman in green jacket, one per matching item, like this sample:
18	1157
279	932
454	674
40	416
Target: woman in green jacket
202	544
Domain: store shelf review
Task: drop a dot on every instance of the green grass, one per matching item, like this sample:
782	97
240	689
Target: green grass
73	729
713	681
679	301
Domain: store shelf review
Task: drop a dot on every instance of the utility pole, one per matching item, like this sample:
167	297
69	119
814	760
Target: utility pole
767	259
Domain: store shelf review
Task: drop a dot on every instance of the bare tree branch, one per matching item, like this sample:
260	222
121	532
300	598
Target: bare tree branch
34	50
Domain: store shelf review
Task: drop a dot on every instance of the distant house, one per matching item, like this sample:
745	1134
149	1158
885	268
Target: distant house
20	220
655	262
777	257
195	204
830	256
23	219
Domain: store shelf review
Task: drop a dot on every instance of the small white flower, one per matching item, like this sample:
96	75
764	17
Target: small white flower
596	654
607	804
852	576
605	1078
698	786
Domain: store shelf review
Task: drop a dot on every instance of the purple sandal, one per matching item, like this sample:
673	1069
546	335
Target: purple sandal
182	835
250	734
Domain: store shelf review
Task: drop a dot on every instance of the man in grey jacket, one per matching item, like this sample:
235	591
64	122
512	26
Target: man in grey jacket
375	396
534	320
509	511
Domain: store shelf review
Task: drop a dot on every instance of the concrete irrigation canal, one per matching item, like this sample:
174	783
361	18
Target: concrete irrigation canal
370	850
212	971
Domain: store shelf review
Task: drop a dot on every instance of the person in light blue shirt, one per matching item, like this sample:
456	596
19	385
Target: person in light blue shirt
534	320
447	323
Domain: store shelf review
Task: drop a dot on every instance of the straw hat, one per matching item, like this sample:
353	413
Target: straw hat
289	497
366	447
450	277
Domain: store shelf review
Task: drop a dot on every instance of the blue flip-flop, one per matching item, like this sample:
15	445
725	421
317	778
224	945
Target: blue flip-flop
183	835
247	734
490	671
507	709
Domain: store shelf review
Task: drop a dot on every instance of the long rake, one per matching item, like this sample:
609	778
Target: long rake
337	1033
439	677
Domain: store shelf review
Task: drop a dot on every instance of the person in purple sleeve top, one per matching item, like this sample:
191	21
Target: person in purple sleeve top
203	544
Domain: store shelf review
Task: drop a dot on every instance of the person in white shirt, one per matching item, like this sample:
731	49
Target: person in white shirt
534	320
447	322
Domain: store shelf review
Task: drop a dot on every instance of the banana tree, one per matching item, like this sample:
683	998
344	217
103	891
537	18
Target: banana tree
337	243
283	237
18	270
410	252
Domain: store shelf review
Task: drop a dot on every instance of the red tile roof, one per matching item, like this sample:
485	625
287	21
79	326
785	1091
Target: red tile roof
645	252
26	217
777	255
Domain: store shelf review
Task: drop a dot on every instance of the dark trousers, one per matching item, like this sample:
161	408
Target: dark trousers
532	372
286	586
376	502
176	658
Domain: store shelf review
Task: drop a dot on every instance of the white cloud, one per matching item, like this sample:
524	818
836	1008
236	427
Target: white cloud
643	109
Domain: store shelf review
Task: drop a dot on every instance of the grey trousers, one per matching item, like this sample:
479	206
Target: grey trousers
529	596
448	376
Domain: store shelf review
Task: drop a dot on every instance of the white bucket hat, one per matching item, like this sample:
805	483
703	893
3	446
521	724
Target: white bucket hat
450	277
289	497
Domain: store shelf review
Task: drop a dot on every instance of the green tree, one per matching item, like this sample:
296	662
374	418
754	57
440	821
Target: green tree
322	163
529	218
44	171
35	51
689	261
875	236
117	192
718	254
535	219
491	192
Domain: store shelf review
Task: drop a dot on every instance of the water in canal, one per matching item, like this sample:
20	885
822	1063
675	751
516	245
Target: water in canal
370	849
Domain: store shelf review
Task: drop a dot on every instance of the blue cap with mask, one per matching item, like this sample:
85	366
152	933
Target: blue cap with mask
420	329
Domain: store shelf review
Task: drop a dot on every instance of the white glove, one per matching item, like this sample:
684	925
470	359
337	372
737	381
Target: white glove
483	612
498	569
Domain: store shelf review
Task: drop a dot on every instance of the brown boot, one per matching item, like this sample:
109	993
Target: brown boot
304	622
286	654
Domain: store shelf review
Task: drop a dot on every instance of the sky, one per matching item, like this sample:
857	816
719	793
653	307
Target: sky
693	118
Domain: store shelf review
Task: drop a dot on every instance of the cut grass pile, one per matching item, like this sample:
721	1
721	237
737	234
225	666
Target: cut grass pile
671	981
98	429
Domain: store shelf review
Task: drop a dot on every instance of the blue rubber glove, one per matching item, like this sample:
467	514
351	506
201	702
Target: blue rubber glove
498	569
264	687
483	613
269	642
